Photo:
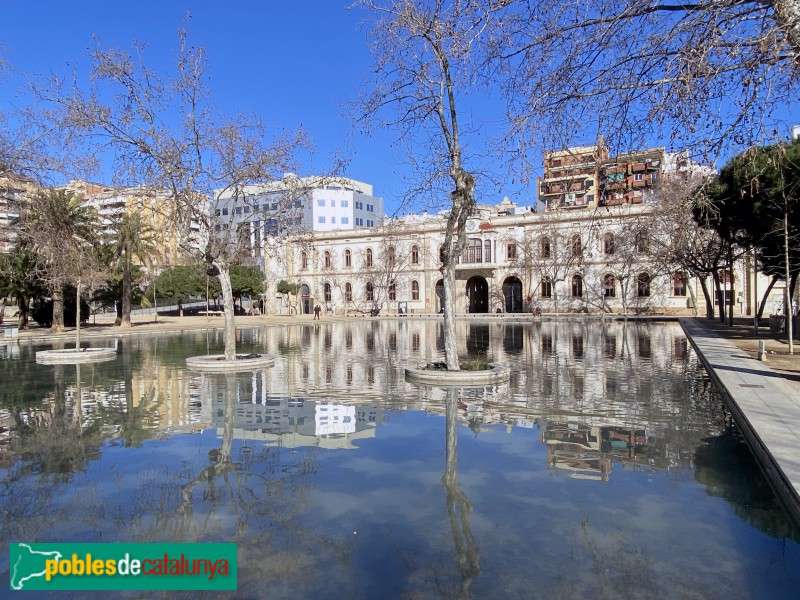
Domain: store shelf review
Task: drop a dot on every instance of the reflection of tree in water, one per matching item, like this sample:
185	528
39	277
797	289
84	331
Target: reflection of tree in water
458	505
254	497
725	465
53	444
459	509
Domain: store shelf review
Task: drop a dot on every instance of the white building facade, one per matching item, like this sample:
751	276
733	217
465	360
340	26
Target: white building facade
591	261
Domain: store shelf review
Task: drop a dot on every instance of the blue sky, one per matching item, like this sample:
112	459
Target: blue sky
292	63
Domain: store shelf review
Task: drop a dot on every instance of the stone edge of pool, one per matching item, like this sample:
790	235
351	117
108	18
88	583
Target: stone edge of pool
764	406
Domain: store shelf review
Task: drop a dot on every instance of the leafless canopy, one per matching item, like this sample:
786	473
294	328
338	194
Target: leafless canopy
708	73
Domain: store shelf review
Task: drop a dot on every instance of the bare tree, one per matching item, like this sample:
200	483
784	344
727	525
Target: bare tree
709	73
423	55
164	134
679	242
554	254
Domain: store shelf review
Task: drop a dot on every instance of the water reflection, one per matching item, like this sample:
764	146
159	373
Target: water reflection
607	439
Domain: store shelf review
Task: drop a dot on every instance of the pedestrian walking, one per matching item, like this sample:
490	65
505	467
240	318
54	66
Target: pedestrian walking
317	310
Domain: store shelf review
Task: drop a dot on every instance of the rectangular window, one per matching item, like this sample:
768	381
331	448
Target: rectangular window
216	213
321	202
370	223
333	219
238	210
345	220
359	221
274	206
298	204
370	208
225	211
320	219
246	209
345	203
638	177
333	203
359	205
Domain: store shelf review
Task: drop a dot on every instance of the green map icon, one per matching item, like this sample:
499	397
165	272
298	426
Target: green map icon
27	563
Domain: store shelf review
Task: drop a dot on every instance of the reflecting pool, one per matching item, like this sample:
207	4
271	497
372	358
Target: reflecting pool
606	467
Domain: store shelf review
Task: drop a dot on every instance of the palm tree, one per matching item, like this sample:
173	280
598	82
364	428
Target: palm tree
59	227
133	239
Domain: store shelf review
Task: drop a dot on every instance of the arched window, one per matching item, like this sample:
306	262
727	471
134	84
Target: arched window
608	243
546	288
392	291
511	251
327	292
545	249
415	290
576	248
643	285
369	257
577	286
303	261
369	292
348	258
679	284
348	292
390	257
327	259
415	255
609	286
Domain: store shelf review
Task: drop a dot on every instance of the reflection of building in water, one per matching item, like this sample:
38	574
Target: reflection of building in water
289	422
589	451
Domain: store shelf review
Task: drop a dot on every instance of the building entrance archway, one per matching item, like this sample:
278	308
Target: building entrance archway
439	296
477	295
512	295
305	300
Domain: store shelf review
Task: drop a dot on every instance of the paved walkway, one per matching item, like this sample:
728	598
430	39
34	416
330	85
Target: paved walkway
764	401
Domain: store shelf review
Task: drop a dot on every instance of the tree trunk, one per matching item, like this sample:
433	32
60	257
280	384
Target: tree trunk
733	286
229	336
766	296
789	278
23	307
57	324
450	347
719	295
463	202
709	301
787	15
126	290
78	317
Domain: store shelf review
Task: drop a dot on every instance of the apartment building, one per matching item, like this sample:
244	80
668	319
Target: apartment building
173	246
15	190
293	204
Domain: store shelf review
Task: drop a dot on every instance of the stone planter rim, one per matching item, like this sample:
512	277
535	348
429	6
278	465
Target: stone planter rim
71	356
216	363
495	374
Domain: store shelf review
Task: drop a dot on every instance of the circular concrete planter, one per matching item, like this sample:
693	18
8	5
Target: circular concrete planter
71	356
496	374
216	363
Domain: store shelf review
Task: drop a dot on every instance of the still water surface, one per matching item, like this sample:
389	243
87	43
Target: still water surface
607	467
